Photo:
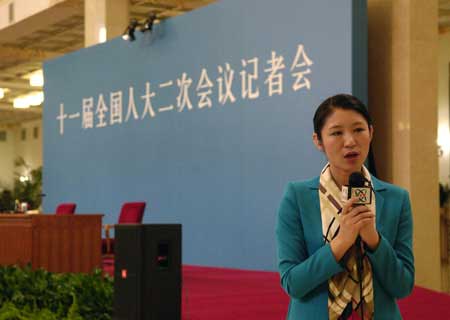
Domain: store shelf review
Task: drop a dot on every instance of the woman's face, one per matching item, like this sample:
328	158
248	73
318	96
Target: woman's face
345	140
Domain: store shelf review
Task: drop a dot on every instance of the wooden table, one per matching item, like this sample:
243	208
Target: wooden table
69	243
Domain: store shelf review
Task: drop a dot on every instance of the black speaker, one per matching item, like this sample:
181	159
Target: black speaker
147	272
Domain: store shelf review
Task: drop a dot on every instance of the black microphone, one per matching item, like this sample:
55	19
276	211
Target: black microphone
359	187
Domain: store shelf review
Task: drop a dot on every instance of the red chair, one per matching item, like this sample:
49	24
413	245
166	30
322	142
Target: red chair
131	212
66	209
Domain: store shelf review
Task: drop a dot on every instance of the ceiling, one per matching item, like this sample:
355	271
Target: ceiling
60	29
54	32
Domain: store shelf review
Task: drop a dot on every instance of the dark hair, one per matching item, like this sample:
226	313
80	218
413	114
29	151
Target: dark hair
339	101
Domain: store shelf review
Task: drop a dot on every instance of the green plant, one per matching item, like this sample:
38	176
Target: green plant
30	190
9	311
38	294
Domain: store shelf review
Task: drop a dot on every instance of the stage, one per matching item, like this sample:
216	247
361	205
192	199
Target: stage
231	294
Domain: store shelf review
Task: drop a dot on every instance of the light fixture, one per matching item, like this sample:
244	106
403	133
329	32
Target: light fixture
2	93
20	103
147	25
129	31
36	78
24	179
36	98
33	99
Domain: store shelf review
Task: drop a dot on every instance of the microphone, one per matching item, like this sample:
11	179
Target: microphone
359	187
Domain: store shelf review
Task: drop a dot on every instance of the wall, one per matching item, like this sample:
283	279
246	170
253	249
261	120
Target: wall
7	152
443	107
29	149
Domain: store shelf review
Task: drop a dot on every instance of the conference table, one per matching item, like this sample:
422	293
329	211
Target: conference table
56	243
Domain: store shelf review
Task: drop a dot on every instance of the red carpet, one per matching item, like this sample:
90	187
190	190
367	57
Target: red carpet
231	294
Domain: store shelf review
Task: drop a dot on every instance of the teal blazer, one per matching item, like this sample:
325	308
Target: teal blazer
305	263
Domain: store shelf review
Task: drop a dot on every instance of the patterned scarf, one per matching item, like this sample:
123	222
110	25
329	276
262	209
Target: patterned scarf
344	287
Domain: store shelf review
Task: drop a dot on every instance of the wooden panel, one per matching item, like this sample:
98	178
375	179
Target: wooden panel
55	243
76	250
15	239
67	243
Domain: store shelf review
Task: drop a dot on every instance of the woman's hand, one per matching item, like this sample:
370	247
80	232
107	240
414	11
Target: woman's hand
369	234
353	220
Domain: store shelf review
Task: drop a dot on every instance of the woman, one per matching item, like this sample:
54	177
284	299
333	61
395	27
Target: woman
317	229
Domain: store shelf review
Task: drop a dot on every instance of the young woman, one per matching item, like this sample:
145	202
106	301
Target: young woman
318	228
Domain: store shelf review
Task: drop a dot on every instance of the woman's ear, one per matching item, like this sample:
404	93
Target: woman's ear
317	141
371	132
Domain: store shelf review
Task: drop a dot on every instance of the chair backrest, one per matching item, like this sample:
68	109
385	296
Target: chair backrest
66	208
132	212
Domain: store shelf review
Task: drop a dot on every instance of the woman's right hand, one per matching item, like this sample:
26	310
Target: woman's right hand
352	219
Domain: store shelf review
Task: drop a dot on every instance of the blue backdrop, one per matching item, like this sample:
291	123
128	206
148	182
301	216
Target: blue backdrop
206	119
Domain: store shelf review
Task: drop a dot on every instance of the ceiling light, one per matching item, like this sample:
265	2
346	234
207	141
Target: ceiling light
20	103
2	93
32	99
36	78
36	98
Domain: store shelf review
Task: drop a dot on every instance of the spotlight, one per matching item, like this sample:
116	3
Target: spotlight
129	31
148	24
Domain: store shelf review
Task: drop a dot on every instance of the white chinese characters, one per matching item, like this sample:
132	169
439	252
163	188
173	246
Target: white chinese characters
256	78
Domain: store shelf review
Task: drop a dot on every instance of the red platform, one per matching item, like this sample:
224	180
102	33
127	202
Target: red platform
232	294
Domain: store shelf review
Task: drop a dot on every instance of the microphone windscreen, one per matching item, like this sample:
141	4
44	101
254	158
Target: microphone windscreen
356	179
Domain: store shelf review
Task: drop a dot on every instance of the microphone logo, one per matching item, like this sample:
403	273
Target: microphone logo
363	194
360	188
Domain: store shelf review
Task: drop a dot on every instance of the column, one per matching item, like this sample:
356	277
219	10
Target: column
104	20
403	75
